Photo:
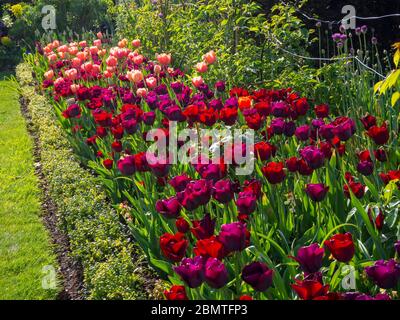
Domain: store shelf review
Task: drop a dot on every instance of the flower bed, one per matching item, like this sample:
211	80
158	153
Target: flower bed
303	204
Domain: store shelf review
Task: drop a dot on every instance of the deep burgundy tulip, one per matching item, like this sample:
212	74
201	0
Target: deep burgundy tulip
220	86
317	192
380	155
368	121
223	191
366	168
179	182
280	109
191	271
321	111
149	117
204	228
303	132
313	156
357	188
196	193
397	247
169	208
126	165
310	258
344	128
182	225
292	164
246	202
215	273
258	275
289	128
326	131
341	246
160	167
233	236
380	135
386	274
277	125
73	111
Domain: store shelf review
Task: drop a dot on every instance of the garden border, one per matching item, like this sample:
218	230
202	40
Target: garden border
98	259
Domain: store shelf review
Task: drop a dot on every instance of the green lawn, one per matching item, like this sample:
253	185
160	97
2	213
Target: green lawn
25	247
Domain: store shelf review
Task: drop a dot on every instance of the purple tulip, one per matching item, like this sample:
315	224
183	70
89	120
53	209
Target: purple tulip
215	273
303	132
126	165
289	128
246	202
158	165
220	86
179	183
149	117
280	109
169	208
365	168
313	156
310	258
278	125
385	274
397	247
191	271
223	191
204	228
317	191
258	275
233	236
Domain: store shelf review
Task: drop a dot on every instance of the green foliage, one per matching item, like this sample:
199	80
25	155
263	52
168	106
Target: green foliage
112	265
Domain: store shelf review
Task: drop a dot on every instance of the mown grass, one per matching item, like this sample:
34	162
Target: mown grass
25	247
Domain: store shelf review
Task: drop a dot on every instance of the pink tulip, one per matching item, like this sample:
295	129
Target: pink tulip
122	43
108	74
201	67
76	62
74	88
49	74
52	57
151	82
83	44
96	69
136	43
88	66
71	74
111	61
94	50
62	48
73	50
62	55
111	69
55	44
141	92
157	69
81	55
164	58
197	81
97	43
58	81
138	59
135	76
102	52
210	57
99	35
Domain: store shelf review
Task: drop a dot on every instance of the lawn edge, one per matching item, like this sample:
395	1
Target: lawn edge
113	267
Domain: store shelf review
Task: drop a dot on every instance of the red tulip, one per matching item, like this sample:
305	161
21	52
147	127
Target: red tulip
341	246
274	172
173	246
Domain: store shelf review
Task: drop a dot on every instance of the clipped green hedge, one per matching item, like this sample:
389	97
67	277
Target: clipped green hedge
114	268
